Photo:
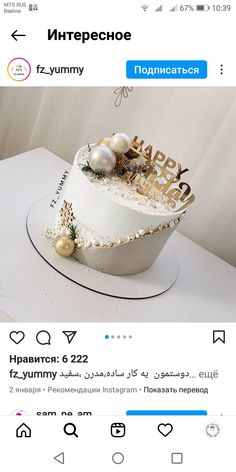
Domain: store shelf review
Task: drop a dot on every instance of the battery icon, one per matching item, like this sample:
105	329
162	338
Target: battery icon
203	7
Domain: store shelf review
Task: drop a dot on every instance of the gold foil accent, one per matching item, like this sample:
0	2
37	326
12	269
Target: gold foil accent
66	214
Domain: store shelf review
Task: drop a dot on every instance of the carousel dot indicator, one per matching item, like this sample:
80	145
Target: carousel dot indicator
124	336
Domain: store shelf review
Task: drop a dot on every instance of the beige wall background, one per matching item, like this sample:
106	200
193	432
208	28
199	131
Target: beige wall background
194	125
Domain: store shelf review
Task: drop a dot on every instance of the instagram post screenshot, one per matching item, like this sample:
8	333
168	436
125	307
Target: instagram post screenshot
117	235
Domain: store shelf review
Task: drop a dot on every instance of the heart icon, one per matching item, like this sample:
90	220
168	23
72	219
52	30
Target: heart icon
17	336
165	429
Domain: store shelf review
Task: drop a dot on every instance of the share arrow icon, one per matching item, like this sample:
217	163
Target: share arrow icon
70	335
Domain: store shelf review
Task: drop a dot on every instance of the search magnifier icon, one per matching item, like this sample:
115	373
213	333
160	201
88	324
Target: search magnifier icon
70	429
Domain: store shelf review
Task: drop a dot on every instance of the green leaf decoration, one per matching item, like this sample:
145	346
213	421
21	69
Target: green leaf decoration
73	230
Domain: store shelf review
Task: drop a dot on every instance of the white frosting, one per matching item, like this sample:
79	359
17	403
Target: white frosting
109	215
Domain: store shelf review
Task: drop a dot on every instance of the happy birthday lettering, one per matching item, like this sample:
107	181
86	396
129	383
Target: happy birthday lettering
155	175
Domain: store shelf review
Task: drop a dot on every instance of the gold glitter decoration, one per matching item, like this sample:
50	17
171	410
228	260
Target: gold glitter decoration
155	175
66	214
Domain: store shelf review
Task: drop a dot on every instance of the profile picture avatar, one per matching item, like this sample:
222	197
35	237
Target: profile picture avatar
19	69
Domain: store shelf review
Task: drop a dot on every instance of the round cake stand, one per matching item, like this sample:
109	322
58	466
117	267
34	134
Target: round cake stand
151	283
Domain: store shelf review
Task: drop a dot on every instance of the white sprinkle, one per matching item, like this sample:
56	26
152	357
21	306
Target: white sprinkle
137	236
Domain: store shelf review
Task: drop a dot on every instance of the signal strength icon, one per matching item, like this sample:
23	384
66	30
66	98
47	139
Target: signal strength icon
175	8
144	7
160	8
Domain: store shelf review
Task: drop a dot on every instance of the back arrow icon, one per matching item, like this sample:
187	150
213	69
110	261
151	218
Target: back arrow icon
14	35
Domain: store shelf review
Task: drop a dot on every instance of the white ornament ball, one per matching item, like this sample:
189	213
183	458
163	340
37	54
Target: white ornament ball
120	143
102	159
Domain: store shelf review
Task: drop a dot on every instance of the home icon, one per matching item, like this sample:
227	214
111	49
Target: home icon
23	431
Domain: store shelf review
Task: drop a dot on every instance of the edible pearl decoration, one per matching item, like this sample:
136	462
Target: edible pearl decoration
65	246
142	232
120	143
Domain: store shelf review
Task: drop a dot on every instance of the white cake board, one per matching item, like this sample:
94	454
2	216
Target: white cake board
154	281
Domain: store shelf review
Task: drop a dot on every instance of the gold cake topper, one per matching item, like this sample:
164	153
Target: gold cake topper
155	175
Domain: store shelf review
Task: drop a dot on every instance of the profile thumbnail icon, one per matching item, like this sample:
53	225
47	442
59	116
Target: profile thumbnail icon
19	69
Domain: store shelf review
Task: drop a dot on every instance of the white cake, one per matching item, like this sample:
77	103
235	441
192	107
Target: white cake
105	206
119	224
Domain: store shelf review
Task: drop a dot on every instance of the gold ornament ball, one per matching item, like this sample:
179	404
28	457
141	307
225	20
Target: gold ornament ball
64	246
105	141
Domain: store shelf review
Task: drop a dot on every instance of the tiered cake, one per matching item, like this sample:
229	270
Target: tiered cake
120	206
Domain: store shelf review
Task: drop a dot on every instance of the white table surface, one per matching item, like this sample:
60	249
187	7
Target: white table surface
31	290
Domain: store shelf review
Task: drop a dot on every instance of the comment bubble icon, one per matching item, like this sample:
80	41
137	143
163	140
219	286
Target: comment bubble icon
43	337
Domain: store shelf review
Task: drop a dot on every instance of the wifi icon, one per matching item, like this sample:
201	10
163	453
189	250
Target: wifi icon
144	7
